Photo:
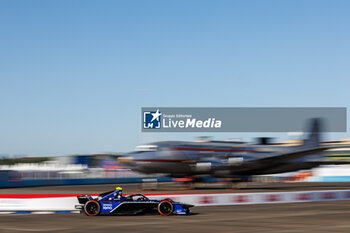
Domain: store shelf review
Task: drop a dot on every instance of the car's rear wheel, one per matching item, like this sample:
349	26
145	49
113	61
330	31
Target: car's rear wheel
165	208
92	208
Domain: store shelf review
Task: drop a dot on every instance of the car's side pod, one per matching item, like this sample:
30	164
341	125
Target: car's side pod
84	198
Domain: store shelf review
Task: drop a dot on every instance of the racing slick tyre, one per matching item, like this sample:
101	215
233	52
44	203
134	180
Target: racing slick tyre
92	208
165	208
167	199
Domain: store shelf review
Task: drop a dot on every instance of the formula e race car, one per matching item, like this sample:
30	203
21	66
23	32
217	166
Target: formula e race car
114	203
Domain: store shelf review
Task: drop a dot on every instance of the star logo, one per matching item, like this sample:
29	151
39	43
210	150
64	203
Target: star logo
156	115
152	119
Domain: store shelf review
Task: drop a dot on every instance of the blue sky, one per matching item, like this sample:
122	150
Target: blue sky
75	74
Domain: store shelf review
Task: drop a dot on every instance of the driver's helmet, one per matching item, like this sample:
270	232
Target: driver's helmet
119	192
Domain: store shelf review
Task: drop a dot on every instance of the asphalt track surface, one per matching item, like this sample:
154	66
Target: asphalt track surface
297	217
172	188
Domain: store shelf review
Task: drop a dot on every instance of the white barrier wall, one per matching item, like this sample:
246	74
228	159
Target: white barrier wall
37	203
259	198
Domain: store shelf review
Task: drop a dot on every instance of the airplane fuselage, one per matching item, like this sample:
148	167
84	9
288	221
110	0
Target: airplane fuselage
177	158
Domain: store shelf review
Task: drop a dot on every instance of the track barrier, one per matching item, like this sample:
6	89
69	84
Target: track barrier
56	203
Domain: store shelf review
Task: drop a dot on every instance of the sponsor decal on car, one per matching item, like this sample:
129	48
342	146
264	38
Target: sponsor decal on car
107	206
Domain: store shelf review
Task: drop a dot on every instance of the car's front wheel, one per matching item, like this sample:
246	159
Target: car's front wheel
92	208
165	208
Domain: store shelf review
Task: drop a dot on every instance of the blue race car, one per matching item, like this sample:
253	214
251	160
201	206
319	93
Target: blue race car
114	203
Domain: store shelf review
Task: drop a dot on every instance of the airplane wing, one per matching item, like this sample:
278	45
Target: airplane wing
275	160
310	146
260	164
325	162
287	156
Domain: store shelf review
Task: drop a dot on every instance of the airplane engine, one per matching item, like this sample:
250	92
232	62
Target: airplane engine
203	166
235	160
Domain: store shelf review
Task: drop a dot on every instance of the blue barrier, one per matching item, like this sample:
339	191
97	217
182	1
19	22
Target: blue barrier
333	179
58	182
